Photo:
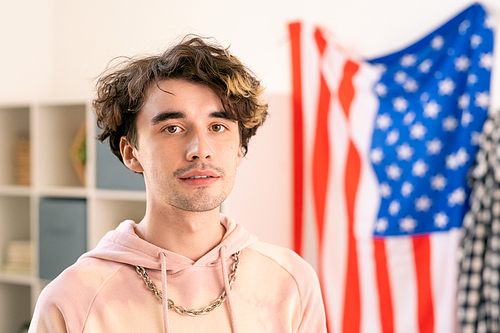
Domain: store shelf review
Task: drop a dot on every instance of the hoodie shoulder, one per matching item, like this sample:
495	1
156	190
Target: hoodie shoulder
286	258
301	278
67	300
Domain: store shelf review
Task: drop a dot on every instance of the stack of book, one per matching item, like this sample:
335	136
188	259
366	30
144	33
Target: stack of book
23	162
18	257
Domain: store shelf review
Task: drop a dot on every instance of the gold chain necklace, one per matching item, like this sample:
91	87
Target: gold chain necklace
192	312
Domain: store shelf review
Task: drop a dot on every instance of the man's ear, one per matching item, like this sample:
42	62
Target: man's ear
239	157
129	155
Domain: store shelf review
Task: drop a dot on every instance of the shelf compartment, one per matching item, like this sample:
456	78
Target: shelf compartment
58	126
14	128
15	222
14	306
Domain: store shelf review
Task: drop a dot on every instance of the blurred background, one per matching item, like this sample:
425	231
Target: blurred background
54	49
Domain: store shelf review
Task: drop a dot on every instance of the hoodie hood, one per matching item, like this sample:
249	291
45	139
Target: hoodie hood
122	245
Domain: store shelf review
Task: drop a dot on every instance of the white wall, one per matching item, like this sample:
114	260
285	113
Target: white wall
26	49
54	48
87	34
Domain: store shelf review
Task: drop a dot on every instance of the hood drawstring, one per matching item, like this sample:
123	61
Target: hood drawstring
227	288
164	292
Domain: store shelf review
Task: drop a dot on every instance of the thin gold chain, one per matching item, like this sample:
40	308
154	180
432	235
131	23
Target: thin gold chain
192	312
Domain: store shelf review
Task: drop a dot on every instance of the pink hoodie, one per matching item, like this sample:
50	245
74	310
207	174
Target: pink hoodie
274	291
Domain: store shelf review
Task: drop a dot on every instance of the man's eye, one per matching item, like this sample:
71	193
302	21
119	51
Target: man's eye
172	129
218	128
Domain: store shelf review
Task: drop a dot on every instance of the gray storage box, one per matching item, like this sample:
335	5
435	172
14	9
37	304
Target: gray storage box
62	234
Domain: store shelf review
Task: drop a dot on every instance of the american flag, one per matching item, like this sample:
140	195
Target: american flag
382	150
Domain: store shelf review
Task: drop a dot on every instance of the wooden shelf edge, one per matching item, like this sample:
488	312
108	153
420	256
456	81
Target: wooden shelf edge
120	195
15	190
19	279
74	192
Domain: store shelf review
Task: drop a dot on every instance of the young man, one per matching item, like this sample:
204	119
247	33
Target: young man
183	119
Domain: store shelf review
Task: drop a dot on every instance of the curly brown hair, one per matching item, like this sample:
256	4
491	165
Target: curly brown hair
122	89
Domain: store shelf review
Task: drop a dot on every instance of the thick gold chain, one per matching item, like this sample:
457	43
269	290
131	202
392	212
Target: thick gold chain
192	312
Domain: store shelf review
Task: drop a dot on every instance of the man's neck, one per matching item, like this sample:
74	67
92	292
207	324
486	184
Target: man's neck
191	234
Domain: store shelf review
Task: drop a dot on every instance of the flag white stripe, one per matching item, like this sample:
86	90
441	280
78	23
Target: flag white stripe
364	109
335	235
310	75
444	260
401	267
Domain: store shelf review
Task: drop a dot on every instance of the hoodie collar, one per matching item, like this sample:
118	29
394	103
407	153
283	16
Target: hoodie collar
124	246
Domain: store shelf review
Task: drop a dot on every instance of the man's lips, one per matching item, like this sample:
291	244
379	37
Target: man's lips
200	174
199	177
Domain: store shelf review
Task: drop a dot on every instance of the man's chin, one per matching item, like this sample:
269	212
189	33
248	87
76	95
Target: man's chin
199	205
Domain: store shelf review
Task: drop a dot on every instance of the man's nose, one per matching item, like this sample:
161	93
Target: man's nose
198	147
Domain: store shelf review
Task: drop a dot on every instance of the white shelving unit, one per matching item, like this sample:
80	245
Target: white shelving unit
51	127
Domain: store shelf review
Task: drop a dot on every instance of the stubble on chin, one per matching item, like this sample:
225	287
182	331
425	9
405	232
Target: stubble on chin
203	199
200	202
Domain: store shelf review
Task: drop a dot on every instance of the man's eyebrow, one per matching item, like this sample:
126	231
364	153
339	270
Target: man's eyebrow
162	116
219	114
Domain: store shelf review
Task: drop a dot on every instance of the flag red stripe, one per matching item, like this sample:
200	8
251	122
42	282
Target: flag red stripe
321	159
298	145
346	88
320	41
321	149
422	253
352	300
383	286
320	170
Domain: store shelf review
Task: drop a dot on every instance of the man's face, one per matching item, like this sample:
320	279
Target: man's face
187	149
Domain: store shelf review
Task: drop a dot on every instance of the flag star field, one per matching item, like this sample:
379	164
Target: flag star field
434	98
